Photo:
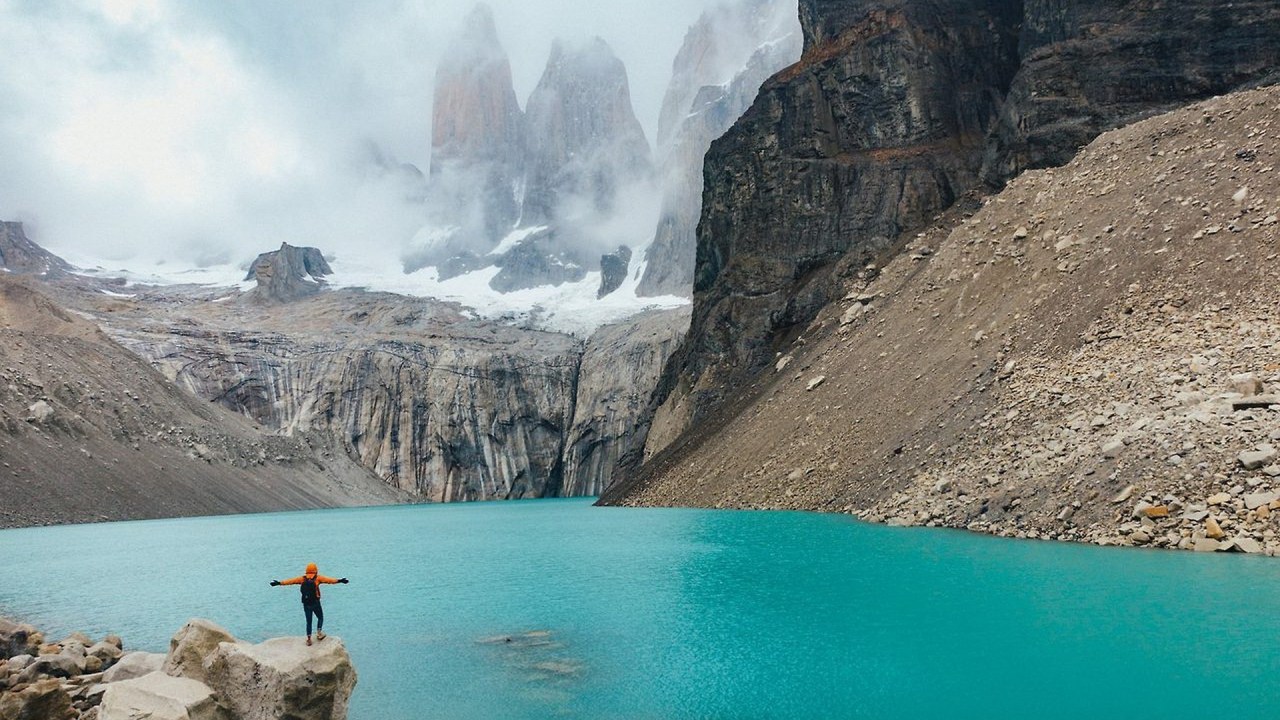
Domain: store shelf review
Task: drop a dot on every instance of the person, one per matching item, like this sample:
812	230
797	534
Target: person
310	582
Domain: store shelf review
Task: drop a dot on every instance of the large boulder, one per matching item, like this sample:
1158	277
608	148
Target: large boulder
18	639
283	679
42	700
159	696
189	648
134	665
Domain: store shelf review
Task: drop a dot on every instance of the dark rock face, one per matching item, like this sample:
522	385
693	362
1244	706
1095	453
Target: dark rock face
613	270
725	57
1089	67
872	133
584	141
538	260
20	256
288	274
897	109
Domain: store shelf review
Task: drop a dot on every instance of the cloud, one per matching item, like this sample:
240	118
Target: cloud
158	128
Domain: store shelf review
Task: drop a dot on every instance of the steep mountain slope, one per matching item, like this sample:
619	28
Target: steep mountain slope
896	110
89	432
1092	355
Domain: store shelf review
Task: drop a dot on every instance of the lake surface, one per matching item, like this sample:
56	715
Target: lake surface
684	613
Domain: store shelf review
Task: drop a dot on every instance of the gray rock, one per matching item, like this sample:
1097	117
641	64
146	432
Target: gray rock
159	696
283	678
39	412
613	270
42	700
191	646
133	665
1246	384
19	662
56	666
1253	460
1253	501
1255	402
1207	545
1248	545
617	374
815	383
288	274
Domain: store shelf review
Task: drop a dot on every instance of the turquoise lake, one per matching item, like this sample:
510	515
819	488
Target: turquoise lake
685	613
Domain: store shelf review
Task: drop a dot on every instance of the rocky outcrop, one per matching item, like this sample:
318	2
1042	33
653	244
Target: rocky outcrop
282	678
726	56
288	274
898	110
207	675
613	270
584	142
620	365
20	256
541	259
190	646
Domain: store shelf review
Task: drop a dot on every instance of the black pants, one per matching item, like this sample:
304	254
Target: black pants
310	609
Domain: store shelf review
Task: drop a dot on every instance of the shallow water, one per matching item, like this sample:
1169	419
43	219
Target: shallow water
684	613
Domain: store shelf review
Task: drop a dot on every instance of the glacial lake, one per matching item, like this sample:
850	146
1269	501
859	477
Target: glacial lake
684	613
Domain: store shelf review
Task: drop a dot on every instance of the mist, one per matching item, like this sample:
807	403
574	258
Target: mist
206	133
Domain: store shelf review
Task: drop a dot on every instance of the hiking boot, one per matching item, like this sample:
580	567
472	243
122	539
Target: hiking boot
320	636
308	640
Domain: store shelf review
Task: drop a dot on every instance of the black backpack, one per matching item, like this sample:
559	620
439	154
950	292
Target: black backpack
310	589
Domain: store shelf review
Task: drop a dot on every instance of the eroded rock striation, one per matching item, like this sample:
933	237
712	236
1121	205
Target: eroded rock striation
436	405
896	111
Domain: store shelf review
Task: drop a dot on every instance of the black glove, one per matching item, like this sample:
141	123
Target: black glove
275	583
344	581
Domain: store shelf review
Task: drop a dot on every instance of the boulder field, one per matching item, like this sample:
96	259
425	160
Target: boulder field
207	675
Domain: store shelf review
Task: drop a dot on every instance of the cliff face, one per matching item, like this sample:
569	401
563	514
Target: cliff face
620	366
1088	67
725	57
436	405
477	141
896	110
585	142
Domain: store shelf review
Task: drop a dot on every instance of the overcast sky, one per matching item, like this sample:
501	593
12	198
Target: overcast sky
222	128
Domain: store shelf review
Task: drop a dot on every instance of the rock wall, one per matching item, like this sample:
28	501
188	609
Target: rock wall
620	366
442	407
898	109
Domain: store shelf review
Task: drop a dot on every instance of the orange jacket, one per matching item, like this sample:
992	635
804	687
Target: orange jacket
320	580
